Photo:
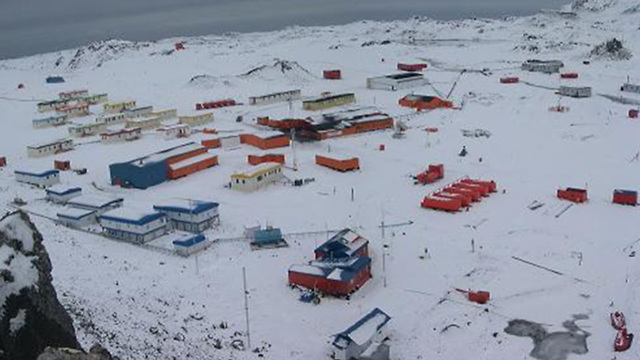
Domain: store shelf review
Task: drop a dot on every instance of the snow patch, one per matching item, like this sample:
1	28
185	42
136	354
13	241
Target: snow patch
16	228
16	323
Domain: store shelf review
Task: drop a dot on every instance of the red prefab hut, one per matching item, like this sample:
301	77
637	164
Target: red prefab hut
573	194
480	297
509	80
62	165
332	74
259	159
625	197
569	75
338	278
338	162
469	196
411	67
633	113
441	203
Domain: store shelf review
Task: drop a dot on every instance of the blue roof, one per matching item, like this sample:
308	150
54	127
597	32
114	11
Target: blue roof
191	241
339	247
626	192
60	191
37	173
187	206
376	314
348	269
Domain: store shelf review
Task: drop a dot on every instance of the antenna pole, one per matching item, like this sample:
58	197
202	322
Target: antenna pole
246	305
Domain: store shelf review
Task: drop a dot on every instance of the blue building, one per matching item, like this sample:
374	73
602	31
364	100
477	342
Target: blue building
150	170
193	216
55	79
76	218
190	244
345	244
355	340
133	225
61	194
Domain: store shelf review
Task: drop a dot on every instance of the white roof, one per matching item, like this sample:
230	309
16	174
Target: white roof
129	213
338	156
367	330
62	188
50	143
307	269
75	212
94	201
157	157
191	160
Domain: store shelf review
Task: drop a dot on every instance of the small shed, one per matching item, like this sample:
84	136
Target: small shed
509	80
332	74
346	243
76	218
268	237
569	75
175	131
40	178
357	338
62	165
543	66
633	113
628	87
190	244
55	80
61	194
338	162
121	135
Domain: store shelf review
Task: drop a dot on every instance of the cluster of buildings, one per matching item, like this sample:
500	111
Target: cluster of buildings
341	266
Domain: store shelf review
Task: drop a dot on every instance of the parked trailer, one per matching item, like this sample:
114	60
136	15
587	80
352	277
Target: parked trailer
625	197
572	194
441	203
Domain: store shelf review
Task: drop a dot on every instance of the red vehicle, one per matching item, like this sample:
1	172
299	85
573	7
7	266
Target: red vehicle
433	173
573	194
618	321
509	80
623	340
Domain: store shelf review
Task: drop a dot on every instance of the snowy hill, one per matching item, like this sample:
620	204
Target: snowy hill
141	303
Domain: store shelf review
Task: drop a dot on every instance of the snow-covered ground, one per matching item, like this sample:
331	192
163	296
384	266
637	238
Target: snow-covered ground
145	304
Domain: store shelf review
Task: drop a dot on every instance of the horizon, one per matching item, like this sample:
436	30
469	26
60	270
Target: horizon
53	27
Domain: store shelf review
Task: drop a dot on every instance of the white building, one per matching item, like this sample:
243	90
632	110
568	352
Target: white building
275	97
133	225
87	129
138	112
196	120
53	104
395	82
94	99
118	106
50	148
40	178
50	121
257	177
145	123
175	131
61	194
121	135
630	88
543	66
193	216
575	91
165	114
77	110
76	218
99	204
110	119
359	337
73	94
190	244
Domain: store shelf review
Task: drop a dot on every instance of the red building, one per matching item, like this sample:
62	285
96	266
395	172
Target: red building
332	74
259	159
62	165
338	278
423	102
625	197
338	162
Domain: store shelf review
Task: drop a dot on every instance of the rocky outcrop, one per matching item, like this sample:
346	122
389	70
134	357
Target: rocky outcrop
31	317
96	352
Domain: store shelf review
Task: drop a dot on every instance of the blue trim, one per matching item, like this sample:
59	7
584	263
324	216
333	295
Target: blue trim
141	221
111	230
192	241
64	216
346	335
625	192
103	206
66	192
42	174
200	207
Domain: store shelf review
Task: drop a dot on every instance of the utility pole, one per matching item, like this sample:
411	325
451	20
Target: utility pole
353	195
246	306
384	264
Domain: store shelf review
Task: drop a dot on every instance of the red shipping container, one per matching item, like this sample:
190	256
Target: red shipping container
573	194
491	185
475	193
441	203
625	197
465	200
346	164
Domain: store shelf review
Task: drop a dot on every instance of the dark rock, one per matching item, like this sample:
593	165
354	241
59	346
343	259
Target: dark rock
31	317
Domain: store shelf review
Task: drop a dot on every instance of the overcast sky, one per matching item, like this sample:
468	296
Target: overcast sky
35	26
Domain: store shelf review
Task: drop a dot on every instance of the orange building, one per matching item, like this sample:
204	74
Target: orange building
423	102
259	159
338	162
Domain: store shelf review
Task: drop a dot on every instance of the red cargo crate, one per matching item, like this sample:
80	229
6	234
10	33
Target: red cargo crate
468	195
411	67
62	165
625	197
573	194
441	203
332	74
480	297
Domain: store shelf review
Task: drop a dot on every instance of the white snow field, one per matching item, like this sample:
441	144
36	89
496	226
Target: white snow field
145	304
